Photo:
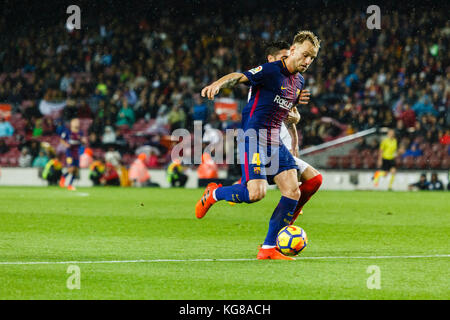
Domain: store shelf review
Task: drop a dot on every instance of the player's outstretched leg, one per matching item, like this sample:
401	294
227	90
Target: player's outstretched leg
236	193
206	201
231	203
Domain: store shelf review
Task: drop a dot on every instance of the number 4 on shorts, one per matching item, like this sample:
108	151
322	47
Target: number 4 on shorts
256	159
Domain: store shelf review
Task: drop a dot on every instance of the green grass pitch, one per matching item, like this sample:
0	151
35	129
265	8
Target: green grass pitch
93	226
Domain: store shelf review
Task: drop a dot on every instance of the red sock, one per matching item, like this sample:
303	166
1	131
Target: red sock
307	189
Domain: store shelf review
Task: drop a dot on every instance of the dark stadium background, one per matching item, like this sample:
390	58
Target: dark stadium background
185	22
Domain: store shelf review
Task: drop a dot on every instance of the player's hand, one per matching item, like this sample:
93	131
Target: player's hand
211	90
304	96
293	116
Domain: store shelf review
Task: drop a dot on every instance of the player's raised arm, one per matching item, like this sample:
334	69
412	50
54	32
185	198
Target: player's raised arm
228	81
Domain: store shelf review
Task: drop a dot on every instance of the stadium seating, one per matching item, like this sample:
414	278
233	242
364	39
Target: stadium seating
435	156
369	163
323	120
333	162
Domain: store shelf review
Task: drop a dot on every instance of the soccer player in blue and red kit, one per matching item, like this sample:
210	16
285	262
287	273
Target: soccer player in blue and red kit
276	89
310	178
73	140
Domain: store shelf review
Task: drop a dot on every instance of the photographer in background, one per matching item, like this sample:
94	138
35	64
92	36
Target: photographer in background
422	184
435	184
52	171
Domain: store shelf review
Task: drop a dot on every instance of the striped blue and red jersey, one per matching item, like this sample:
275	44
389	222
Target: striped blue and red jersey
274	92
74	141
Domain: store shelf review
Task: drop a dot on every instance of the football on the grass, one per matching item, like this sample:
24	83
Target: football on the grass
291	240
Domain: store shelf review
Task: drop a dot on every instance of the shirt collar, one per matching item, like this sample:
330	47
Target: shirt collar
285	69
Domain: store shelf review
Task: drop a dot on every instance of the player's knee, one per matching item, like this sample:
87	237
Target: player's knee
292	193
309	173
296	193
257	194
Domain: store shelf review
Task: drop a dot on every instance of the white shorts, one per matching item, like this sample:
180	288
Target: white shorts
287	141
302	165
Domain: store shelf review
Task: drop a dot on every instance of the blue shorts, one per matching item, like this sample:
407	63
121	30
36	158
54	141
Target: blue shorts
72	162
266	162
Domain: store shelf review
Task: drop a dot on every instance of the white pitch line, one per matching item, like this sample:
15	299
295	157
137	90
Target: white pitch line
214	260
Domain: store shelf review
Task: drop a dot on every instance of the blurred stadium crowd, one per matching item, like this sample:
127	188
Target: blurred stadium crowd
132	81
